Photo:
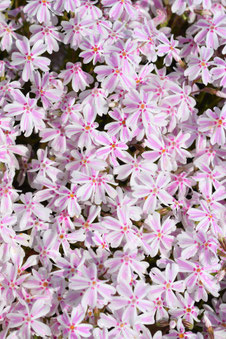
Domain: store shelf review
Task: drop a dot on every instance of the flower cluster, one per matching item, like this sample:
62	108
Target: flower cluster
112	169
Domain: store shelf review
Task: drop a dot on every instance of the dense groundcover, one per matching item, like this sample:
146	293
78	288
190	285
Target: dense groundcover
112	172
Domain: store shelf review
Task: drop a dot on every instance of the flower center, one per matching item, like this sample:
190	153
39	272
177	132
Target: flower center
142	106
86	224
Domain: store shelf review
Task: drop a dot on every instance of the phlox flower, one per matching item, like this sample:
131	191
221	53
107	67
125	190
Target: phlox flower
48	34
127	53
215	317
207	176
87	226
21	267
70	110
44	90
88	10
159	239
44	166
7	89
124	264
112	148
46	248
80	79
30	58
177	146
7	34
146	35
6	230
30	206
11	281
180	332
181	183
198	65
119	8
133	166
120	230
95	292
201	244
131	300
85	161
158	310
56	135
68	265
72	327
214	122
116	32
182	99
31	115
101	242
112	74
139	105
84	128
65	238
195	273
75	30
207	218
188	46
153	190
95	97
119	127
94	186
27	319
68	199
40	282
49	191
168	47
164	284
211	30
122	200
160	151
211	155
218	72
118	325
8	195
92	49
213	199
41	9
186	310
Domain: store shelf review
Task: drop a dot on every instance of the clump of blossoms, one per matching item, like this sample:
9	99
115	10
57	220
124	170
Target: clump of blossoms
112	169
